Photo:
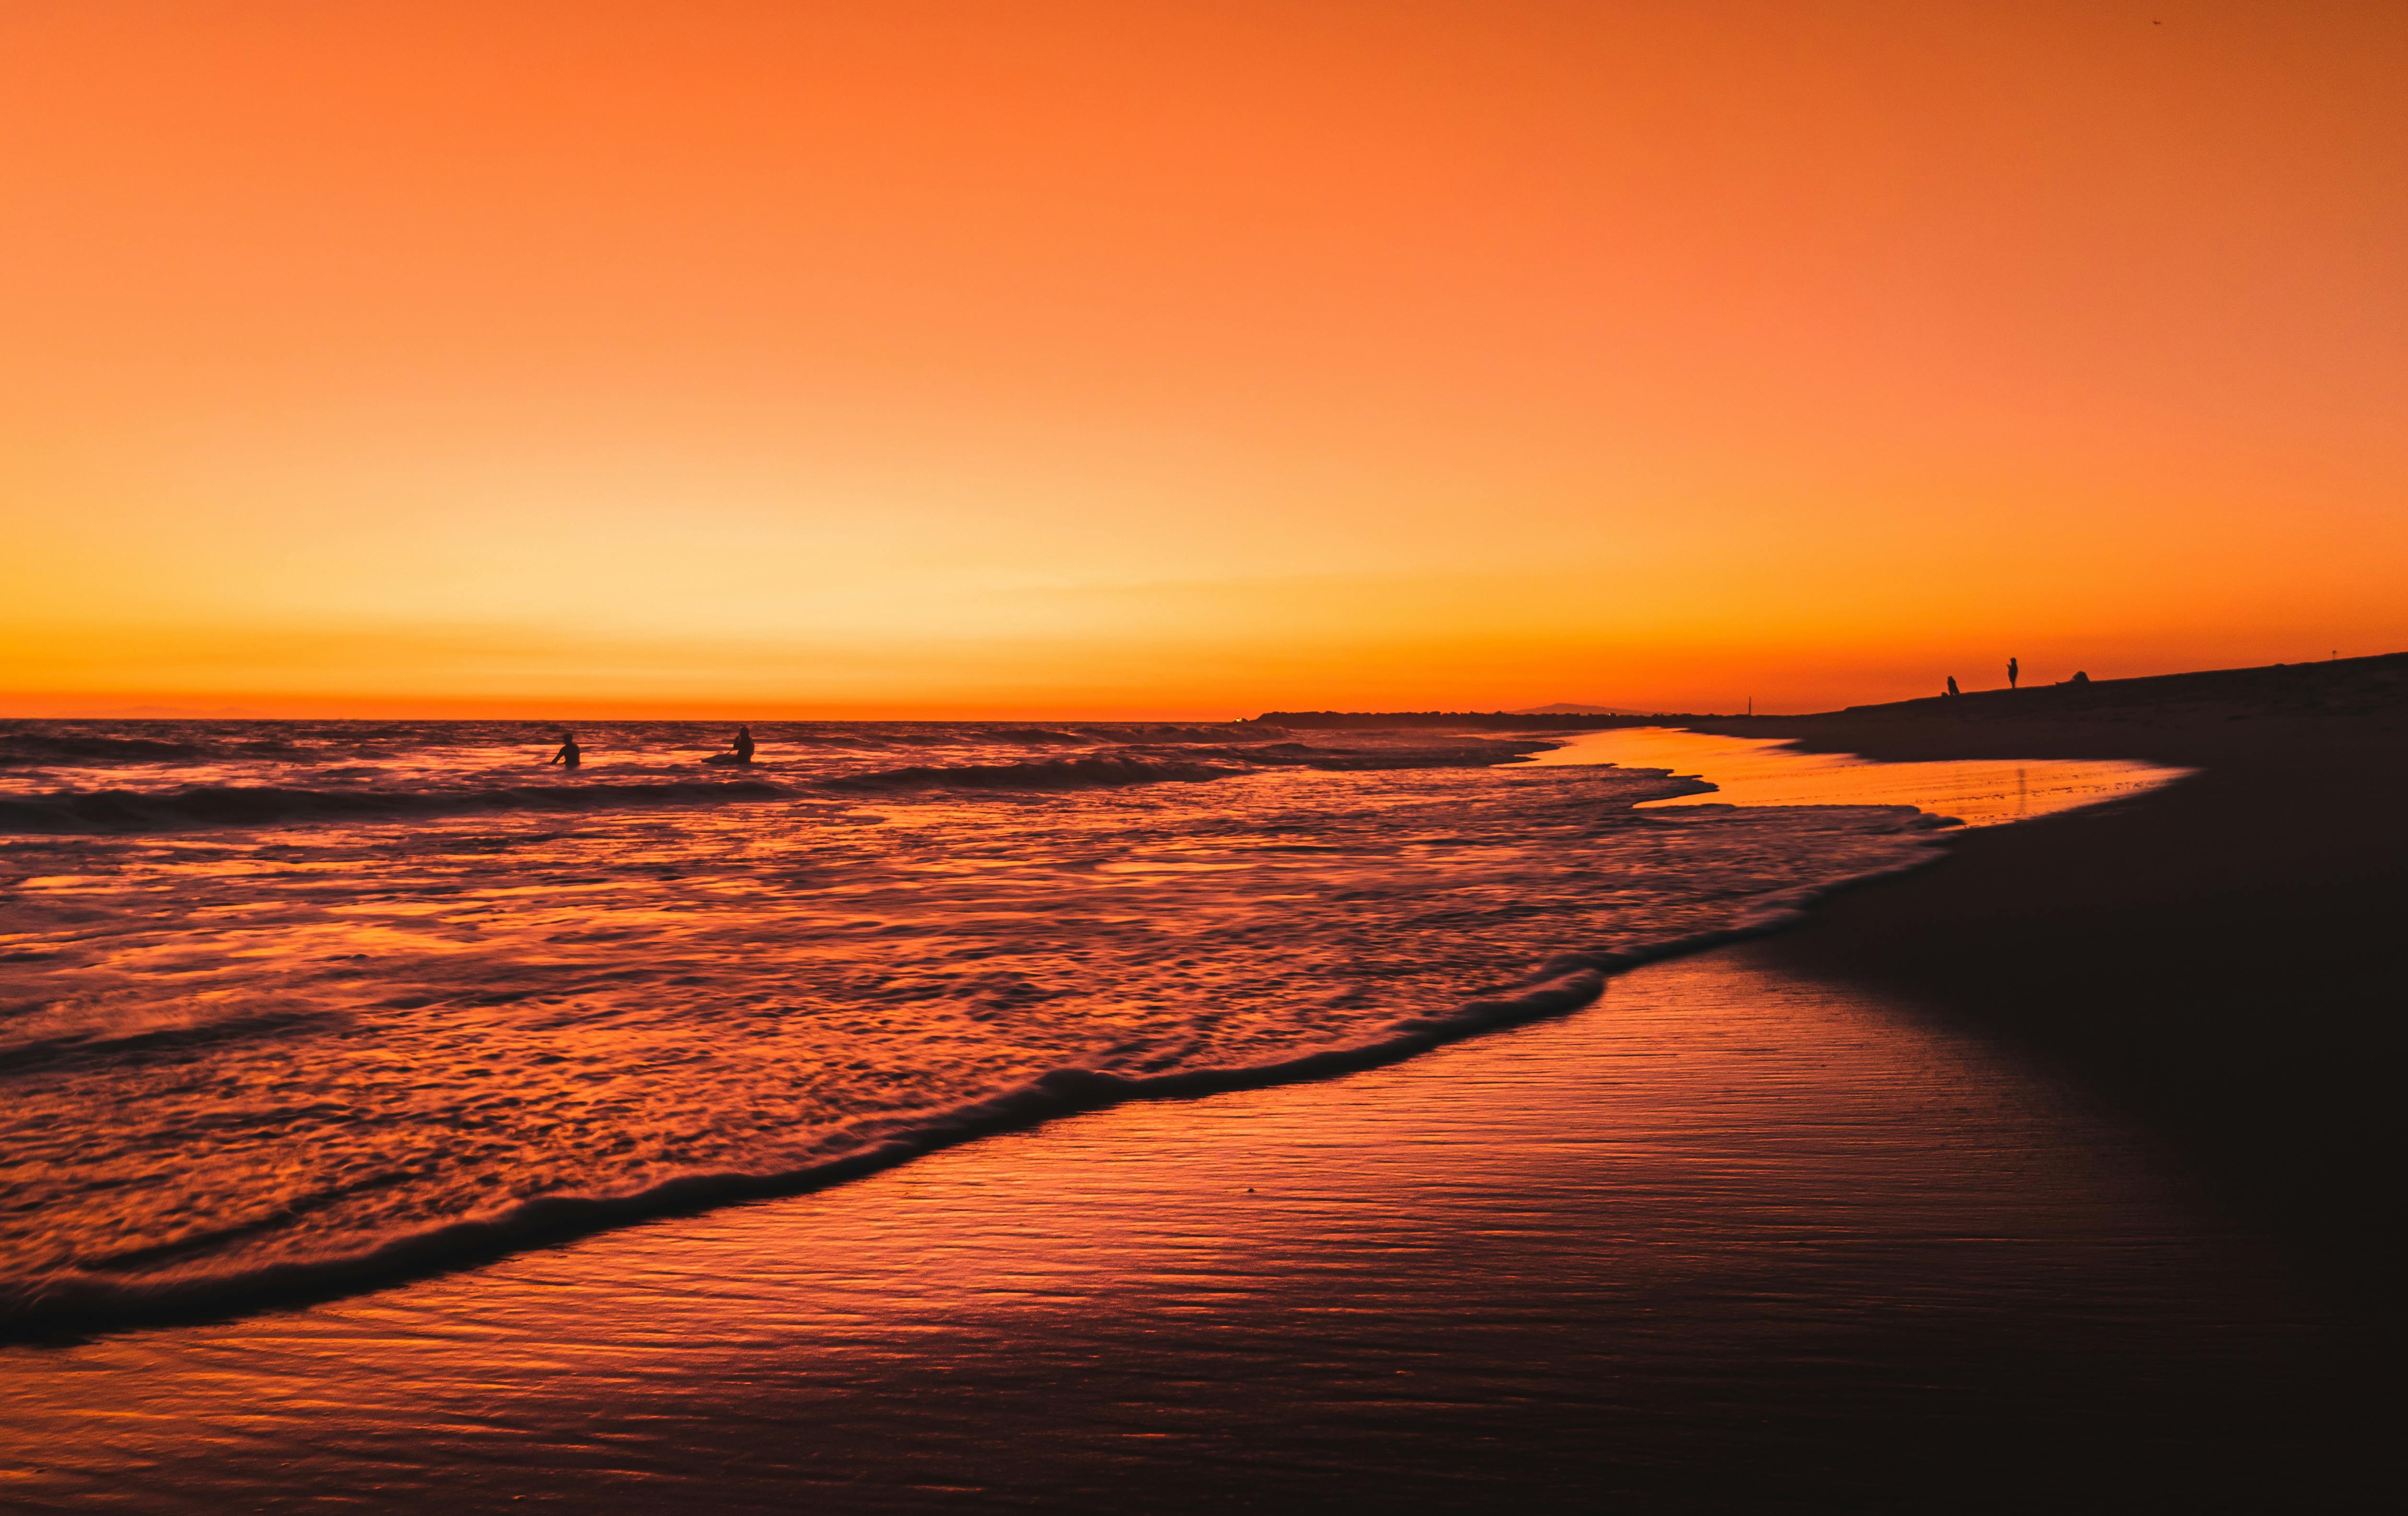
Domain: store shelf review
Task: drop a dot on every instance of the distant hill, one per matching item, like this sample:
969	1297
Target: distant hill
1569	708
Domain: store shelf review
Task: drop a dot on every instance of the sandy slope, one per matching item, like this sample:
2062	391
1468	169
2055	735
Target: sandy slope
2221	957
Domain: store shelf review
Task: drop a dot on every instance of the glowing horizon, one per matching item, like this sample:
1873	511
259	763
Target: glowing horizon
1173	362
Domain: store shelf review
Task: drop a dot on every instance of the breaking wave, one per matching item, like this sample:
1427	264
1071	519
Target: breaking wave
19	750
213	805
1052	774
96	1295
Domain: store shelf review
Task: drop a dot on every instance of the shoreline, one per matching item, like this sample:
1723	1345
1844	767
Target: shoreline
2211	956
1812	1221
1834	1218
61	1309
94	1306
1728	1240
1843	934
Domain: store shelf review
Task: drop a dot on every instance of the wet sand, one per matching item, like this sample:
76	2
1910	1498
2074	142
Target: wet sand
1829	1221
2218	960
1726	1240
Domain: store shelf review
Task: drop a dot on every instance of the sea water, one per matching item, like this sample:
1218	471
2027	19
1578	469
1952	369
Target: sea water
287	1006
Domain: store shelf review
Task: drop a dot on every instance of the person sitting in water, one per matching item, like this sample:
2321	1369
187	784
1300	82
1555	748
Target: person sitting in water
743	744
567	757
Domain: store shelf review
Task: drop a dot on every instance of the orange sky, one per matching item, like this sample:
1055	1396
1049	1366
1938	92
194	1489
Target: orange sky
1195	359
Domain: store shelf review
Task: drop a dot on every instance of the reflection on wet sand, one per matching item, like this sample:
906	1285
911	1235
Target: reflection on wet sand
1744	771
1721	1226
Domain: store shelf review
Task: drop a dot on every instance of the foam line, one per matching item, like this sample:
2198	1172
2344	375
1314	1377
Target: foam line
69	1303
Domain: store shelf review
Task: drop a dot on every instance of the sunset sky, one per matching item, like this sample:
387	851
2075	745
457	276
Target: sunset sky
1129	359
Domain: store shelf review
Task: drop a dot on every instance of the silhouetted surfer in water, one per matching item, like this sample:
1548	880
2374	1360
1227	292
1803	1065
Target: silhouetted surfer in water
567	757
742	749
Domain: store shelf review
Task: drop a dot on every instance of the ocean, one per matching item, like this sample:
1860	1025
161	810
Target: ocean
288	1007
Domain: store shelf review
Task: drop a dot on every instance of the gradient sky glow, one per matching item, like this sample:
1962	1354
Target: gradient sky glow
1197	358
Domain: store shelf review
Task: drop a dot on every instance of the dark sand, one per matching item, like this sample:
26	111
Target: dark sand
2047	1178
2222	958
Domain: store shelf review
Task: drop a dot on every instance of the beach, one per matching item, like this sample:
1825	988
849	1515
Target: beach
1195	758
1882	1211
1817	1258
2216	958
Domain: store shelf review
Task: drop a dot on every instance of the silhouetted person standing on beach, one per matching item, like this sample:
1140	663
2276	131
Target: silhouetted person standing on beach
2013	669
743	744
567	757
1952	684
